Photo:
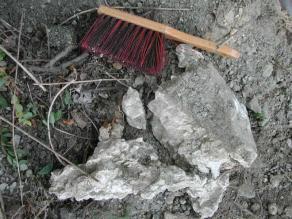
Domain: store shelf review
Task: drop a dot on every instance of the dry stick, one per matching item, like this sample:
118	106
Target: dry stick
7	25
42	209
70	134
62	54
117	79
2	207
120	7
48	148
49	115
76	15
23	68
61	67
13	114
81	82
151	8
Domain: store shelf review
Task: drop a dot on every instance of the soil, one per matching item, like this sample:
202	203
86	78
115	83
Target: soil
261	79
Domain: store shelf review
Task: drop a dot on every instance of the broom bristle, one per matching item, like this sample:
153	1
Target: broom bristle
132	45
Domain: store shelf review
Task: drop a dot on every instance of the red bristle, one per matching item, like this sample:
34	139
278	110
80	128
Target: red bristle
127	43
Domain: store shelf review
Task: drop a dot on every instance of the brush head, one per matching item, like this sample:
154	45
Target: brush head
132	45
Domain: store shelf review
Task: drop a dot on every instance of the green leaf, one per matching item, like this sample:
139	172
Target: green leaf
23	165
21	153
10	159
18	108
2	55
67	98
58	115
14	99
3	102
27	115
52	118
55	116
24	121
47	169
3	81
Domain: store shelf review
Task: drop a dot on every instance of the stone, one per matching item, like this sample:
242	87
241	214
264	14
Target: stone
29	173
79	118
197	116
139	81
3	187
268	70
117	66
246	190
187	55
276	180
254	104
130	168
288	211
289	143
273	209
104	133
255	207
133	108
168	215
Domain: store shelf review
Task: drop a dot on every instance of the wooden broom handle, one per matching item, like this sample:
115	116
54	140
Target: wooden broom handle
170	32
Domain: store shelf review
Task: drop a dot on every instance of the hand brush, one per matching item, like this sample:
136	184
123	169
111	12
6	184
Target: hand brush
138	42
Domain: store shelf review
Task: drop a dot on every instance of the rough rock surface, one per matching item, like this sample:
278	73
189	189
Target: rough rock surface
132	167
134	110
204	123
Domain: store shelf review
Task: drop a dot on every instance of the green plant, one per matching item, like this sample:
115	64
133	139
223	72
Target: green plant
3	78
67	99
46	170
5	141
259	116
3	102
2	55
24	116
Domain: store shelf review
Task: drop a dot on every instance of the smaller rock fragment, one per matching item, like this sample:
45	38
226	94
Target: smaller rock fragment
288	211
187	55
79	119
117	66
255	207
273	209
134	110
246	190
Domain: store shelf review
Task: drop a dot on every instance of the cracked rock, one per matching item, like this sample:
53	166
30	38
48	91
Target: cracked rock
197	116
134	110
132	167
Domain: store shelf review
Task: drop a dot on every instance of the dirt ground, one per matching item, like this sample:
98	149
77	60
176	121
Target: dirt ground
260	79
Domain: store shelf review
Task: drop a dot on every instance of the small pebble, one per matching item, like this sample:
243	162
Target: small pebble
255	207
273	209
182	201
12	187
288	211
3	186
139	5
28	173
117	66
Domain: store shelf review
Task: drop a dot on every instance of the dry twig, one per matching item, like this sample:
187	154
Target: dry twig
23	68
49	116
13	114
48	148
121	7
81	82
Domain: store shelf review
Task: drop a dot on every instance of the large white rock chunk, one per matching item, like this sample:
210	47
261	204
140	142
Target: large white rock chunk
134	109
132	167
199	117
